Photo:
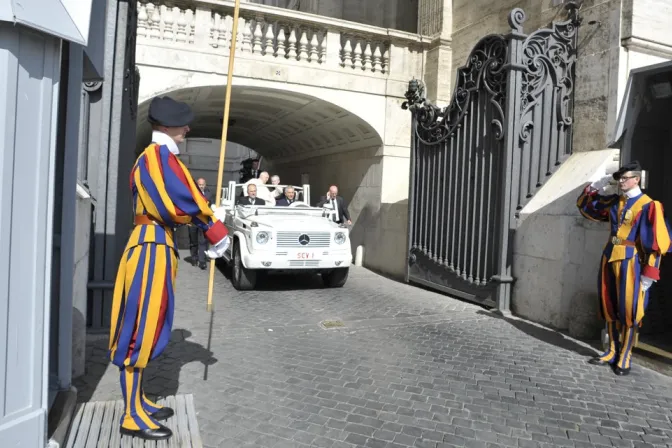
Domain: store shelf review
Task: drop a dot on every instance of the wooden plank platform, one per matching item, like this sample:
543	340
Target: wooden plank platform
96	425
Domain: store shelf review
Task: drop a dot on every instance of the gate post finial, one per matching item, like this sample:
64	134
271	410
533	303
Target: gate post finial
573	7
415	93
516	18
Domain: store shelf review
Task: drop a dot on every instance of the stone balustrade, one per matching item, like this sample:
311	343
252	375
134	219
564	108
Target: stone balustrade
266	32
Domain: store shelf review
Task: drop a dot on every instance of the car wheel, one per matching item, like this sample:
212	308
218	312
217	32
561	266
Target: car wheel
243	279
335	278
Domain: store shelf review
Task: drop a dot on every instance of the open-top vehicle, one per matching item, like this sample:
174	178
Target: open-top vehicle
294	238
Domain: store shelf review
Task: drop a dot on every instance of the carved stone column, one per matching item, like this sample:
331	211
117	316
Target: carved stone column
435	19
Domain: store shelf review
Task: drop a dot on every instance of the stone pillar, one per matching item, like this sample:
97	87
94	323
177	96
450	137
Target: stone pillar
435	19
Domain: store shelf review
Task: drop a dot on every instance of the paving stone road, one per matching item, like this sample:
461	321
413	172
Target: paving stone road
411	368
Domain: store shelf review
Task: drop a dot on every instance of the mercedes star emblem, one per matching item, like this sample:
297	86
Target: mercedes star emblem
304	239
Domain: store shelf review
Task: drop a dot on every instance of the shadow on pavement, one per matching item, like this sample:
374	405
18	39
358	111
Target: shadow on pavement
543	334
162	376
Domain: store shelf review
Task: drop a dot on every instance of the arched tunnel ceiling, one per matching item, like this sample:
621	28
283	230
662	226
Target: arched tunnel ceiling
273	122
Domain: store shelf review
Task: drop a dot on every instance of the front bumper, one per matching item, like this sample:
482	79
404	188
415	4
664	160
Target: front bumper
288	260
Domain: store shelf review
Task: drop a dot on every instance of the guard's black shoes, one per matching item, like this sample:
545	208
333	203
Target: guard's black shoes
621	372
160	433
163	414
597	361
202	266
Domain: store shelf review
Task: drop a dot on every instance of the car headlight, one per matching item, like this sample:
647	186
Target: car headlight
339	238
262	237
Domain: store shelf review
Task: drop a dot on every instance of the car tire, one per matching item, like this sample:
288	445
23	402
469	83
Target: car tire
243	279
335	278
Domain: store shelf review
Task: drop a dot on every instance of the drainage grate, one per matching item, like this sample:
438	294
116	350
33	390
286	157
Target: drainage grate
329	324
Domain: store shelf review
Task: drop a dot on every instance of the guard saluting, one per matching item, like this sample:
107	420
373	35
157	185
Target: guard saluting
164	197
631	259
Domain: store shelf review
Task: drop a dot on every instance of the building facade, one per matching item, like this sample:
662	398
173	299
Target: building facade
317	92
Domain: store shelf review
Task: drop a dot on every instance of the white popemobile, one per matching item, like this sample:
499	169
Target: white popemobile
294	238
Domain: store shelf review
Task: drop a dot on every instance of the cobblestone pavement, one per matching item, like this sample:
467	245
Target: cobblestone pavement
411	368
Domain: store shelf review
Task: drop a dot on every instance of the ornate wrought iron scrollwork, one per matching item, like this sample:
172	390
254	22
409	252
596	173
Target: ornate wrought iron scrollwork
92	86
485	72
549	56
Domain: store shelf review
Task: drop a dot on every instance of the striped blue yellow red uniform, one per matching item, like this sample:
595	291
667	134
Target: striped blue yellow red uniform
639	237
164	197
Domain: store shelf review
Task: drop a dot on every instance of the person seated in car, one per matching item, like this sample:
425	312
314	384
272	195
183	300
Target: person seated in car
263	192
251	198
290	197
275	189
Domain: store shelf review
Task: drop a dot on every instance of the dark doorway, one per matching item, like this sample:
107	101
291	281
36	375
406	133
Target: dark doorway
651	144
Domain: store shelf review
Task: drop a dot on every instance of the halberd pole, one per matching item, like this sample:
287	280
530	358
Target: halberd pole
222	156
225	129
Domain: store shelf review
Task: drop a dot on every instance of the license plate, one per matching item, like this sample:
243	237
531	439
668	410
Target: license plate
303	256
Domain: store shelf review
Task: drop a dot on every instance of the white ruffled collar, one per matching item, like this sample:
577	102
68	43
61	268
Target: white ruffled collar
160	138
633	193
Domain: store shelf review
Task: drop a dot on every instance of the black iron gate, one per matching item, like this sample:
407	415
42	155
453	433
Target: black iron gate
478	161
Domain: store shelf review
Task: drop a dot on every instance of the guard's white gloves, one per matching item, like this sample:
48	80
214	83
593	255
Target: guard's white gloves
217	250
599	174
601	183
609	190
646	282
220	213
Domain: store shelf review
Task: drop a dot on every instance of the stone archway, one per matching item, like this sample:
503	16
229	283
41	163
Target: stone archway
299	136
281	125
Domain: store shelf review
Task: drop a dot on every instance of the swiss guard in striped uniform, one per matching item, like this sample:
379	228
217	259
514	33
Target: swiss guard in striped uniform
639	238
164	197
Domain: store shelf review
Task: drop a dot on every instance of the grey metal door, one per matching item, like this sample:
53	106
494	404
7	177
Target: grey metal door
478	161
29	76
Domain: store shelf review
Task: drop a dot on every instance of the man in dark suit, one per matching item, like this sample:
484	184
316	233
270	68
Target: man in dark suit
334	201
288	199
251	198
197	242
252	172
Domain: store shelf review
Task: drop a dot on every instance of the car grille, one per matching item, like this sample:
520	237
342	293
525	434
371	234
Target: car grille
285	253
307	263
291	239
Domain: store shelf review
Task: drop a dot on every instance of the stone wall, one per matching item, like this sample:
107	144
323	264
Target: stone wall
557	251
396	14
474	19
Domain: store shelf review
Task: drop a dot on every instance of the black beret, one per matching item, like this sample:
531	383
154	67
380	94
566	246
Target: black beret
165	111
631	166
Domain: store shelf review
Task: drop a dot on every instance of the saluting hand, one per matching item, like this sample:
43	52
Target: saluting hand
601	183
